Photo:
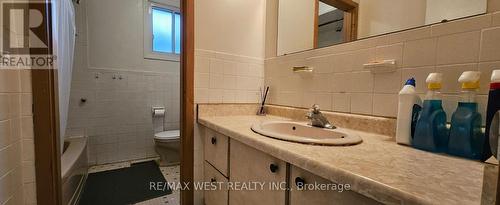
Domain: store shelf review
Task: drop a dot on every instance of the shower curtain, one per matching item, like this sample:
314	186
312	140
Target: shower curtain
64	30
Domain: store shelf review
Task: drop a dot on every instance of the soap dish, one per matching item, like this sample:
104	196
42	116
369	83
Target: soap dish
385	66
303	71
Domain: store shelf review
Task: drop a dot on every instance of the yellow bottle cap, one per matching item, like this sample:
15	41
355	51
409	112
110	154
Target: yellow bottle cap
434	86
470	79
434	81
470	85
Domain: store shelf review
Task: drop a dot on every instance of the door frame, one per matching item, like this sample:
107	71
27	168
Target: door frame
46	120
187	101
46	137
46	128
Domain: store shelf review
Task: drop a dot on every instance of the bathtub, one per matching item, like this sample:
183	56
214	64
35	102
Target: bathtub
74	168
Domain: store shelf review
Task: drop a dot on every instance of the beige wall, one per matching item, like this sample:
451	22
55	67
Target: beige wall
383	16
271	28
230	48
234	27
340	83
295	26
437	10
493	6
17	166
17	157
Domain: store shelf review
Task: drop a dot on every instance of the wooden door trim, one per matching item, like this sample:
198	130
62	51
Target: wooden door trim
351	24
46	137
316	24
46	128
187	101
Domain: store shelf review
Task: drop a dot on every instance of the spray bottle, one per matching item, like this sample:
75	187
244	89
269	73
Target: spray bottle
431	133
466	138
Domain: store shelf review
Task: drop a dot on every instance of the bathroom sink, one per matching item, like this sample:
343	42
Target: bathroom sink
304	133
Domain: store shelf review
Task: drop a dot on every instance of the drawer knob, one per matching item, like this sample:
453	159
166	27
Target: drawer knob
214	140
213	180
299	182
273	168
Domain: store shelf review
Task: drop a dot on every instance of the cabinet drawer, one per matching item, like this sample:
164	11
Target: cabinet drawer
216	148
321	197
218	196
251	165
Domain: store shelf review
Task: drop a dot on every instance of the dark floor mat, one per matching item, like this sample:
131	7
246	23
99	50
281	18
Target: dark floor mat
123	186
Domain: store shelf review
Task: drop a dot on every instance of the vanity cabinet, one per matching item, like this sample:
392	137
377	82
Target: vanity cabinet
216	150
302	191
252	177
215	167
219	194
249	165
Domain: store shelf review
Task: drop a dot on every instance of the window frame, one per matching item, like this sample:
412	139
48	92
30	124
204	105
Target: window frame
148	31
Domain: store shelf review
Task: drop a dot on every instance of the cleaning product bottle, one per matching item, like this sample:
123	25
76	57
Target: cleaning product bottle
492	109
466	137
431	133
408	109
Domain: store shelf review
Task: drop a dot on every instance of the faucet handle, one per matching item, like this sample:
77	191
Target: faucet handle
315	108
309	115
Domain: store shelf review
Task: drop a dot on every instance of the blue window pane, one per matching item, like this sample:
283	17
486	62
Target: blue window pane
162	30
177	33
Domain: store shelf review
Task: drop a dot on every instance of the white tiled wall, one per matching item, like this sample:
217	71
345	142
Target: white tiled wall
120	87
117	115
340	83
17	170
227	78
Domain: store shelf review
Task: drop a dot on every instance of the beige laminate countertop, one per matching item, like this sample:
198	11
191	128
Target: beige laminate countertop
377	168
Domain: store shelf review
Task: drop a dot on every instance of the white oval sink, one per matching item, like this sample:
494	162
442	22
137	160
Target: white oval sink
303	133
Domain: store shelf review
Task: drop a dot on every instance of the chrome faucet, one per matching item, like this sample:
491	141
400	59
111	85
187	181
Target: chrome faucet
318	119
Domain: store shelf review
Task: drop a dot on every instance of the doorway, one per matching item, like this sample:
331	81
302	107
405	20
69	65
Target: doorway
46	81
335	22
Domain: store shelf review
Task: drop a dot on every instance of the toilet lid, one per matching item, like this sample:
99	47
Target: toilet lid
167	135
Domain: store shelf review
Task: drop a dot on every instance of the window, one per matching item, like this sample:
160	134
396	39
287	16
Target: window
162	32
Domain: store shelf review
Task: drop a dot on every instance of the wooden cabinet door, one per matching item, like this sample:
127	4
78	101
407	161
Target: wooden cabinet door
218	196
216	150
309	195
249	165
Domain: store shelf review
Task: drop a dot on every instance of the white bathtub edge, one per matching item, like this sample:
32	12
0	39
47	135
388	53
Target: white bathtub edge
73	152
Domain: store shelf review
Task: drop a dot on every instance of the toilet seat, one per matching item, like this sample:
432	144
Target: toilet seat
170	135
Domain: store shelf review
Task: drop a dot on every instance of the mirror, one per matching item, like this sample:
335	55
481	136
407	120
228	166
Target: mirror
310	24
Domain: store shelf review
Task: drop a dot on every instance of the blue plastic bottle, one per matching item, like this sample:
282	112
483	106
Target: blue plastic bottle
466	138
431	133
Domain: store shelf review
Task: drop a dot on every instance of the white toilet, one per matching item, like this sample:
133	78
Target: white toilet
168	147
